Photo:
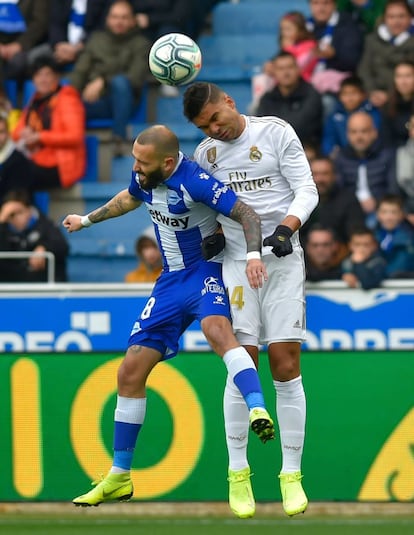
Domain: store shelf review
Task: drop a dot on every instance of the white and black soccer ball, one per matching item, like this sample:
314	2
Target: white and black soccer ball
175	59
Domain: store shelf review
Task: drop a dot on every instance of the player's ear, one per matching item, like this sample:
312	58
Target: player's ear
229	101
169	164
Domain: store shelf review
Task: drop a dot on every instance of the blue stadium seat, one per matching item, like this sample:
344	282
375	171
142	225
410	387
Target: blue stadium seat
233	58
10	87
98	268
92	157
241	92
251	18
139	115
121	168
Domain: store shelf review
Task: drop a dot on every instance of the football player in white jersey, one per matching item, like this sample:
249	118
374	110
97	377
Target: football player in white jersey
263	161
183	201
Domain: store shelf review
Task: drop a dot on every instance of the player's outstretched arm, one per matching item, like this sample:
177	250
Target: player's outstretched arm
120	204
250	221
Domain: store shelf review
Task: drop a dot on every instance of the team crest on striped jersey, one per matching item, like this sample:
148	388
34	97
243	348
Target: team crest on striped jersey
255	154
211	155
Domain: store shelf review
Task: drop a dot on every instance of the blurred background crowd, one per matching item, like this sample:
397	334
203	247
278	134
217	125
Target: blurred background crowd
75	88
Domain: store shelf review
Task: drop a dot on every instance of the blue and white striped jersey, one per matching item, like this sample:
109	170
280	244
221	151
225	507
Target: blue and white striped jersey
184	210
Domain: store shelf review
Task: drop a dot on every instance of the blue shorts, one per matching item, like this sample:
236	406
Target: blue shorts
178	298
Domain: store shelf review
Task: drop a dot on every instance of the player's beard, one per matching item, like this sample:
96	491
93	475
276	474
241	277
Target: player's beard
151	180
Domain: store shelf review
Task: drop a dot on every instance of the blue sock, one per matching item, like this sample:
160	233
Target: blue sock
125	437
247	381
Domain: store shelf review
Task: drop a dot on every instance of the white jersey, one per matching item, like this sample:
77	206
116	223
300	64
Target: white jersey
267	168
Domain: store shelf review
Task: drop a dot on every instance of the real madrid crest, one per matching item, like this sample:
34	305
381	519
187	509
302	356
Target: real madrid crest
211	155
255	154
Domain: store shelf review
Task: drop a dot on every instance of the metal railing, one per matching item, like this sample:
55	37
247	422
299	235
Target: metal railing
28	254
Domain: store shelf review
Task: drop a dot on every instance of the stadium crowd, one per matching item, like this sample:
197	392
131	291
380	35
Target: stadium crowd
343	77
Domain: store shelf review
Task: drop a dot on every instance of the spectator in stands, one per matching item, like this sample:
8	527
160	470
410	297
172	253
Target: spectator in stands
51	129
149	258
16	171
399	106
112	70
366	13
293	99
352	97
23	25
364	166
395	237
390	43
7	109
158	17
337	209
295	38
24	229
339	49
365	267
322	255
405	171
70	25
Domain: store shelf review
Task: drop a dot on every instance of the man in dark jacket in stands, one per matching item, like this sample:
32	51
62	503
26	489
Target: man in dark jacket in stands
364	166
338	208
293	100
24	229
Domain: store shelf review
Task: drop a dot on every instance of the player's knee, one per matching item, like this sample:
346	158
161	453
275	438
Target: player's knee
218	331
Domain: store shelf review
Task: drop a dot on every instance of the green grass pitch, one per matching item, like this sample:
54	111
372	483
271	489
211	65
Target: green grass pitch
96	525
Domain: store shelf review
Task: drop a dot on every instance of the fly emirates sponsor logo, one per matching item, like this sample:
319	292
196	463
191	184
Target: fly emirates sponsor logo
239	182
176	222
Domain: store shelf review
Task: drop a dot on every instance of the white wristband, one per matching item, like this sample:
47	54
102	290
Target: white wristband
253	255
85	221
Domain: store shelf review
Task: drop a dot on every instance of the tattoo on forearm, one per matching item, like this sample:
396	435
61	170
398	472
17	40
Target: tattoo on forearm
118	205
251	224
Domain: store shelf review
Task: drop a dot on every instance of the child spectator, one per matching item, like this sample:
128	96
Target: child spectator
395	237
295	38
405	170
24	229
352	97
400	105
149	257
51	129
365	267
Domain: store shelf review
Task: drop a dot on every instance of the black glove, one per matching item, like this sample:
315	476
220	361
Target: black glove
212	245
280	241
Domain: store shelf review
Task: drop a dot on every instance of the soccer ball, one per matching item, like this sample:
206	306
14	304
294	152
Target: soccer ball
175	59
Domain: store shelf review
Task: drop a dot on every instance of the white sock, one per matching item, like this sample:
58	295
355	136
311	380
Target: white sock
236	360
130	410
291	415
236	424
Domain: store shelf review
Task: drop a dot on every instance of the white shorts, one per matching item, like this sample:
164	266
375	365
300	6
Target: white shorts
277	311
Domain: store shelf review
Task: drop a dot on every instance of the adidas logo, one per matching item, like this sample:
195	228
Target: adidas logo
297	325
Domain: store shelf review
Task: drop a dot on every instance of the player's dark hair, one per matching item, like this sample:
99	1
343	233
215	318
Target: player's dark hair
197	95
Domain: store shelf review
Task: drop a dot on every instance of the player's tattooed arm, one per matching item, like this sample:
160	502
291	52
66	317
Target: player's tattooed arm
250	221
122	203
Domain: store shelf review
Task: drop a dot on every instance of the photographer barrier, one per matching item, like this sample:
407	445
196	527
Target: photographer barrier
57	421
